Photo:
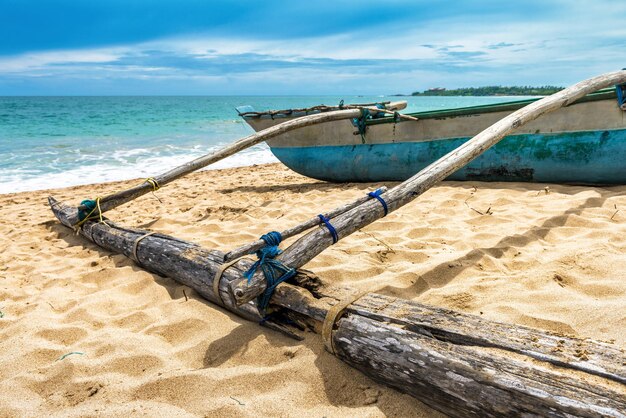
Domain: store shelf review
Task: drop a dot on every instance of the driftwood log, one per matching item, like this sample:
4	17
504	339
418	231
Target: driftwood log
312	244
457	363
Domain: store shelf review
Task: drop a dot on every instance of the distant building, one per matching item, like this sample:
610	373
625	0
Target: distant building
437	89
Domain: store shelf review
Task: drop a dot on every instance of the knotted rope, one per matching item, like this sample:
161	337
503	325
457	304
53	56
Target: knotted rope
274	271
376	195
155	185
360	123
91	206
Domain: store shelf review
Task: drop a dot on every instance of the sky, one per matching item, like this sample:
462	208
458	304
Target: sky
293	47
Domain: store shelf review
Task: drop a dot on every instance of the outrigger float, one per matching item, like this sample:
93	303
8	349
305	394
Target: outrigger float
457	363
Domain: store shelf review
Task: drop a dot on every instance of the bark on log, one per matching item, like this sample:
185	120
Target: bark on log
310	245
457	363
72	214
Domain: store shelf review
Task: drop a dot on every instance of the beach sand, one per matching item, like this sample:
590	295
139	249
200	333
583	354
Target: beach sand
550	257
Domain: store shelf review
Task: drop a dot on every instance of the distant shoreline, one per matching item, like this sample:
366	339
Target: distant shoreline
488	91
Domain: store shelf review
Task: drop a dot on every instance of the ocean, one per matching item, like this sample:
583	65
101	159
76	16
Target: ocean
49	142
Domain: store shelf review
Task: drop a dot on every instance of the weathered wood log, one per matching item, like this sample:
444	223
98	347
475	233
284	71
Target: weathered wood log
461	380
310	245
258	244
72	215
457	363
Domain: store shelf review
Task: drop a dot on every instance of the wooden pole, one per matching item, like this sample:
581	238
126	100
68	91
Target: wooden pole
73	214
375	110
258	244
390	108
457	363
313	243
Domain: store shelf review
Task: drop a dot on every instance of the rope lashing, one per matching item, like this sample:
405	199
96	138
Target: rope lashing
379	114
332	317
136	245
360	123
396	117
376	195
621	95
331	229
154	183
155	186
92	206
218	276
274	271
341	104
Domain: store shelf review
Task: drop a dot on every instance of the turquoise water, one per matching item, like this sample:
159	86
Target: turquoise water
50	142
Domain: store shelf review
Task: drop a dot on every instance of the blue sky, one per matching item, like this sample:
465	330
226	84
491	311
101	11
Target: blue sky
302	47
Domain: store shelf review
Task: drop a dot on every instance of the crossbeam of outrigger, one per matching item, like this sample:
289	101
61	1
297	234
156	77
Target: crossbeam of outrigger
457	363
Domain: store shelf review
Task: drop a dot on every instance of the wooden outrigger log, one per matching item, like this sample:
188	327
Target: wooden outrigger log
457	363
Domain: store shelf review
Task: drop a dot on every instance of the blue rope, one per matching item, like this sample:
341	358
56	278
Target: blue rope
379	114
376	194
341	104
621	94
331	229
360	124
90	206
274	271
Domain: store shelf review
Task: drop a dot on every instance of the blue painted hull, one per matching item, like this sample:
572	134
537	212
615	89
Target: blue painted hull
596	157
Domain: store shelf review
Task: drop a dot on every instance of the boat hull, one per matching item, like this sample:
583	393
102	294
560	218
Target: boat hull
576	157
581	143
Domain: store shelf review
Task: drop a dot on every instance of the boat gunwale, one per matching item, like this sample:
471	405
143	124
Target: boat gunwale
604	94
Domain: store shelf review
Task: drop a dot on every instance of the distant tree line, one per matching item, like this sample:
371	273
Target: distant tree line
491	91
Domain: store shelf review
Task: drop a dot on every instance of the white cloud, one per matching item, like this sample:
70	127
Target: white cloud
450	52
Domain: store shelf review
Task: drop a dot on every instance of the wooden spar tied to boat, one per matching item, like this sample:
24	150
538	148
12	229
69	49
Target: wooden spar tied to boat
457	363
581	143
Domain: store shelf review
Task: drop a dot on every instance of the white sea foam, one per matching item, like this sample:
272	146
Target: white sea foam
121	165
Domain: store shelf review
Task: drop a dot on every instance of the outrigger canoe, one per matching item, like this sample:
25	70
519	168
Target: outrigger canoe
584	142
460	364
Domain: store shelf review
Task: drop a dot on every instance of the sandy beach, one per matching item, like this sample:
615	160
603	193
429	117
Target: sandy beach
88	333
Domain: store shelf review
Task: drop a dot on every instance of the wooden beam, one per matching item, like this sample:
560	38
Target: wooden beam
312	244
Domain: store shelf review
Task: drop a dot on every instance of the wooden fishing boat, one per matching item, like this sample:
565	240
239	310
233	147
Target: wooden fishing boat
584	142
